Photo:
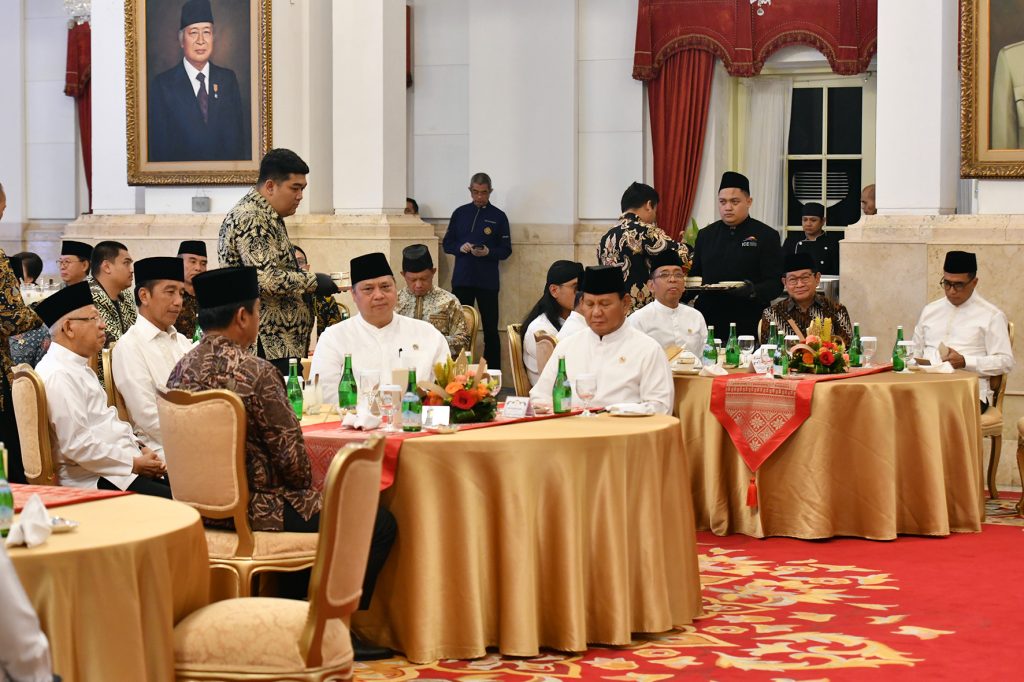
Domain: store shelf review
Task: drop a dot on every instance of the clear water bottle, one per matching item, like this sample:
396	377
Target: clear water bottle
6	497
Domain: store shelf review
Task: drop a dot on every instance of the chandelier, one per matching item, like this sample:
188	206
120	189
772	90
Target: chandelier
78	10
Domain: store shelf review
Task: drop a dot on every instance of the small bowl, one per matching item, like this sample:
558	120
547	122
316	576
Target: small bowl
59	524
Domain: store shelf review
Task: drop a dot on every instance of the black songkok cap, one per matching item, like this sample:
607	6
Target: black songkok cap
64	301
415	258
562	271
800	261
194	12
193	247
734	179
370	266
960	262
78	249
814	209
160	267
225	286
666	257
604	279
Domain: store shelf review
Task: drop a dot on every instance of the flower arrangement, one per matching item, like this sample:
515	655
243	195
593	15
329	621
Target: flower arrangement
820	353
470	395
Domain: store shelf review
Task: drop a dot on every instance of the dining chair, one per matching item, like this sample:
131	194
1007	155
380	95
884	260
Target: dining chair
204	447
992	423
1020	462
114	397
262	638
32	417
545	348
520	380
472	328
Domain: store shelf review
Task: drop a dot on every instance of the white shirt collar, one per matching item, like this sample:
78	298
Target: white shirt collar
661	306
612	337
150	331
193	72
65	355
374	328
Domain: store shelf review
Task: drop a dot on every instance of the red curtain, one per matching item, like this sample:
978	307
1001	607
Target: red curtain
679	100
78	84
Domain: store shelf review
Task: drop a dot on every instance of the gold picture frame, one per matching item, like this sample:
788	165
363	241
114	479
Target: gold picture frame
171	139
991	107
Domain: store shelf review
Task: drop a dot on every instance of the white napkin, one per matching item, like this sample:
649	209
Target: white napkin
364	422
712	371
33	526
630	408
942	368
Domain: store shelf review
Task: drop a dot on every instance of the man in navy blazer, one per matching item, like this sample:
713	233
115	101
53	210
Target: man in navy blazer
195	108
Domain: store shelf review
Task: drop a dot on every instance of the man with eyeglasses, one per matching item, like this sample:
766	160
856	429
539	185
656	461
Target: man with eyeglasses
963	328
803	303
73	263
665	319
478	237
92	448
813	239
378	338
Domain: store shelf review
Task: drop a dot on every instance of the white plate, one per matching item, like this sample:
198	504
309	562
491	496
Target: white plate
61	525
685	370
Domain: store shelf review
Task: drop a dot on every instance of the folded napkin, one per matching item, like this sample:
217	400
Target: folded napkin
32	527
712	371
941	368
630	408
363	422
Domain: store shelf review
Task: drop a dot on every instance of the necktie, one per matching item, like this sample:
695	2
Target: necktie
203	96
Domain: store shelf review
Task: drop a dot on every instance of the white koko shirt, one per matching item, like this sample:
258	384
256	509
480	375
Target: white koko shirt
538	324
574	323
679	326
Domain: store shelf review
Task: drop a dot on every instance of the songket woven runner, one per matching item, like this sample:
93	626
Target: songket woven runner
58	496
759	414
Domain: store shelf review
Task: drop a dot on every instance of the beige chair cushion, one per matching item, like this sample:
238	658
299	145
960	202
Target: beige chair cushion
992	422
254	634
27	415
1020	427
221	544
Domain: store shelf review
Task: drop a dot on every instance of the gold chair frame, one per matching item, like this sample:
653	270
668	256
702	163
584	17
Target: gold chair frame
473	329
242	565
995	430
38	461
520	380
545	348
114	397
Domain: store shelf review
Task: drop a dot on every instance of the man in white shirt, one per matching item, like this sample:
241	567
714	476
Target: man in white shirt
91	446
147	353
973	331
664	319
378	338
575	322
629	366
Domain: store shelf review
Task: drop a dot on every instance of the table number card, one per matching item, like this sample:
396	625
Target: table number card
760	365
517	407
436	415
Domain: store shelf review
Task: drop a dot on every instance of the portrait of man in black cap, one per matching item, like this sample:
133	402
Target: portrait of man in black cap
196	109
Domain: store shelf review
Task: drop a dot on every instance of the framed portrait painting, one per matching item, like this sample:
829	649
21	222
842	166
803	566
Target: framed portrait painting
198	90
992	88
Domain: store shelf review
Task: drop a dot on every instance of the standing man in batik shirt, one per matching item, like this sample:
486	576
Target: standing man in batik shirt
421	300
254	234
803	303
635	239
111	287
193	256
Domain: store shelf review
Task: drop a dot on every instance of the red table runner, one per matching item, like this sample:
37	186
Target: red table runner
759	414
58	496
324	440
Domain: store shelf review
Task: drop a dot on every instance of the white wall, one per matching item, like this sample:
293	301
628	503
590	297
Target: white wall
12	114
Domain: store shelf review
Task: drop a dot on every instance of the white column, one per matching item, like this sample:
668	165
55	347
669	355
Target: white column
369	107
918	114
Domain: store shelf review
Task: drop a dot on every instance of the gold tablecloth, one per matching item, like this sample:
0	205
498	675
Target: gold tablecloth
553	533
109	594
880	455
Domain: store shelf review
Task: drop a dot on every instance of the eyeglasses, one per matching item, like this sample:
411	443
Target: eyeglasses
955	286
801	279
670	277
94	318
68	261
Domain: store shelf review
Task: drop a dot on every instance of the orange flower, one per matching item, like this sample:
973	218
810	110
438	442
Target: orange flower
483	389
433	399
808	358
454	387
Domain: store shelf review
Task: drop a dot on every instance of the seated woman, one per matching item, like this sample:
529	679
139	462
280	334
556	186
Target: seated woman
31	346
551	311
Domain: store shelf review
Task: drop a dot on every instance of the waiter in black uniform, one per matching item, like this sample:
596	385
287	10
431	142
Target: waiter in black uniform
814	240
737	248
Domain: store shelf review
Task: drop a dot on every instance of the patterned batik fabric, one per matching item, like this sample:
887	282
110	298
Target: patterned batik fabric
327	312
15	316
629	244
782	311
188	318
253	234
277	466
117	314
442	309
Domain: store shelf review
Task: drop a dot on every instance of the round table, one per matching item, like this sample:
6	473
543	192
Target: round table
554	533
880	455
109	594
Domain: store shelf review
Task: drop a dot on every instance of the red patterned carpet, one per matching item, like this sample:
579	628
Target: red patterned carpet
781	609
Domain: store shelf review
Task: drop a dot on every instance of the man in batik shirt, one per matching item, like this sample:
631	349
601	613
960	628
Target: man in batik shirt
194	258
803	303
634	239
111	285
423	301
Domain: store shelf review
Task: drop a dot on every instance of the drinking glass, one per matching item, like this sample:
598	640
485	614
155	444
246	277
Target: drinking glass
368	381
388	396
768	355
494	379
791	340
906	351
870	345
746	347
586	388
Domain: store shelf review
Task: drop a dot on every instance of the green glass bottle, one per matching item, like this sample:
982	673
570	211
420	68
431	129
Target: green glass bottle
773	335
856	349
197	335
293	389
6	497
732	347
348	394
561	394
412	406
710	355
899	362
